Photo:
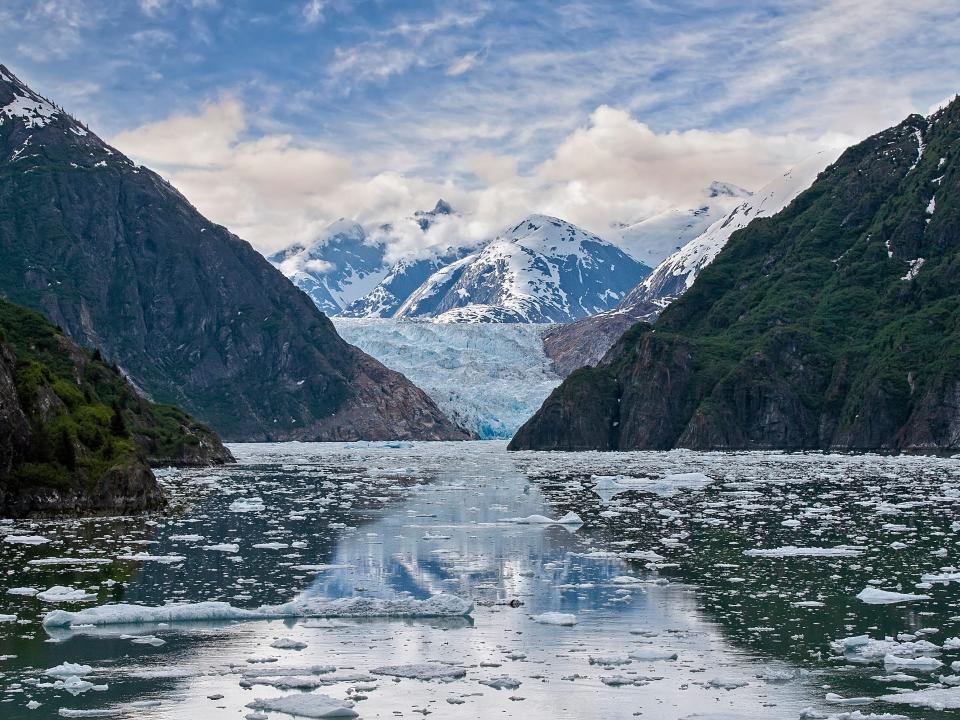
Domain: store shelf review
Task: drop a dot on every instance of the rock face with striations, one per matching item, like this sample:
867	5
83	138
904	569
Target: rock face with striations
835	324
192	314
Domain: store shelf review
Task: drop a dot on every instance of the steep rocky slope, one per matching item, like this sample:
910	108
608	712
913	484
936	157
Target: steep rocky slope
585	341
74	435
833	325
195	316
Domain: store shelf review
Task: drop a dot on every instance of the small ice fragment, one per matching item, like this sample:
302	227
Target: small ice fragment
555	618
652	654
422	671
61	593
26	539
287	644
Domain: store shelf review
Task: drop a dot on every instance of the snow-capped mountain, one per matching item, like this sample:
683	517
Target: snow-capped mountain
488	377
341	266
654	239
541	270
586	341
401	281
675	274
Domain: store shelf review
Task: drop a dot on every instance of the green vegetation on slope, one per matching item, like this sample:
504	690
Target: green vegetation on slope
834	324
83	416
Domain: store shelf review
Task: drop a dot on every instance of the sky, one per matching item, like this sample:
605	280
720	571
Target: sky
276	118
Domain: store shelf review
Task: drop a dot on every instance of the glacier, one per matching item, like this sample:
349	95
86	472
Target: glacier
488	377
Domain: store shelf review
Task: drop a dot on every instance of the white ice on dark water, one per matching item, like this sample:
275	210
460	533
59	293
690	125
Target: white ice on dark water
594	617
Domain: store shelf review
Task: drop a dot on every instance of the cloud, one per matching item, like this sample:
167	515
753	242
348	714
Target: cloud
274	190
463	64
313	11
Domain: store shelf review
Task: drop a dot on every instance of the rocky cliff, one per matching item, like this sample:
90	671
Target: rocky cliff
191	313
835	324
75	437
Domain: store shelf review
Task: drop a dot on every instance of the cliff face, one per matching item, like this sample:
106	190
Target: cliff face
75	437
193	314
832	325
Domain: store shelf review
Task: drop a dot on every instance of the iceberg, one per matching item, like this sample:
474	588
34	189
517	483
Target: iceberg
440	605
873	596
310	705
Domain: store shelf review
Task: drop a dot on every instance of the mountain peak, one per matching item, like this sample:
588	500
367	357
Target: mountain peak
719	188
426	218
17	100
442	208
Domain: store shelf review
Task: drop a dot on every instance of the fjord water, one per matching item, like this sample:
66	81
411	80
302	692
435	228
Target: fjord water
662	565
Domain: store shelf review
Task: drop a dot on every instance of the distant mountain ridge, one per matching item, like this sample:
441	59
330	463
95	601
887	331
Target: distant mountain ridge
196	317
541	270
833	325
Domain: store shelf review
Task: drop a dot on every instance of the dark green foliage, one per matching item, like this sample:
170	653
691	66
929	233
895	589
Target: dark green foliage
84	417
809	330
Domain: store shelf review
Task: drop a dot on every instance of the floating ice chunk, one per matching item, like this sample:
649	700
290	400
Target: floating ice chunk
571	518
68	669
609	660
502	682
287	644
648	555
186	538
271	546
310	705
652	654
251	504
8	618
726	683
92	713
944	578
875	596
27	591
933	698
917	663
794	551
422	671
290	671
70	561
146	557
77	686
151	640
834	699
626	580
440	605
62	593
223	547
26	539
555	618
864	648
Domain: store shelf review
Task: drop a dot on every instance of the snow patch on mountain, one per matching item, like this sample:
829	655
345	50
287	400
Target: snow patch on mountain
340	267
654	239
677	273
487	377
541	270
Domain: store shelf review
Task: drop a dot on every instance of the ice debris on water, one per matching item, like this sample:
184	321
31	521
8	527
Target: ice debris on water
875	596
309	705
571	518
555	618
440	605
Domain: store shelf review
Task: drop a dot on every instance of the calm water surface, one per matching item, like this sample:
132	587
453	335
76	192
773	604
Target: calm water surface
658	568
